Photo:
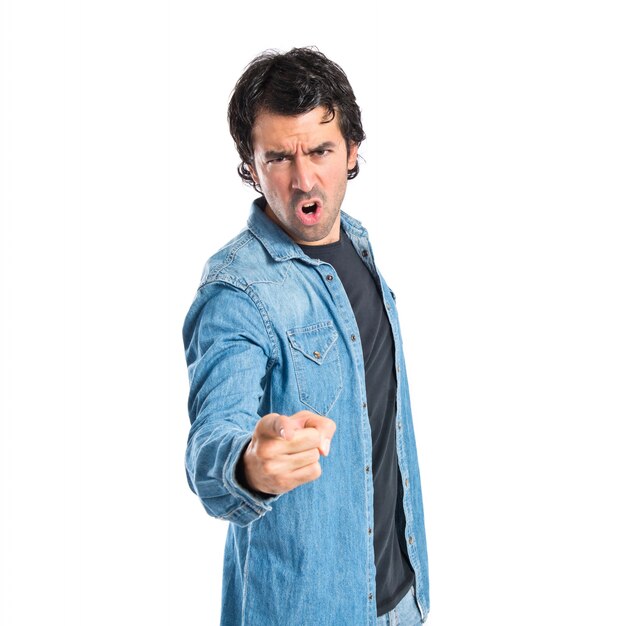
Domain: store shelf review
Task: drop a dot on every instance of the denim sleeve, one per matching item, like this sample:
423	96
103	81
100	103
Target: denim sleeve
229	350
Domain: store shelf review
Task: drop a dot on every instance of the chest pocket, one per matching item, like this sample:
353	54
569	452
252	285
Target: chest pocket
315	357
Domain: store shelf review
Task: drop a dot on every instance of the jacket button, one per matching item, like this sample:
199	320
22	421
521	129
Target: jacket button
364	404
329	276
365	253
353	337
406	482
367	469
369	597
369	531
411	539
317	355
388	307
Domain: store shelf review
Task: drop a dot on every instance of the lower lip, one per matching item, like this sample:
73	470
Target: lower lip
310	219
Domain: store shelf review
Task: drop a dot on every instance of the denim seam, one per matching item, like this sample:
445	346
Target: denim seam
260	308
219	273
236	246
292	336
238	282
244	591
266	324
227	516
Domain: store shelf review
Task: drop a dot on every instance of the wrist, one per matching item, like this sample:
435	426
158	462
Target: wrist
242	477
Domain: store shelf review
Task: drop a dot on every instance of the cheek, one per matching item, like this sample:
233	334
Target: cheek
276	183
339	179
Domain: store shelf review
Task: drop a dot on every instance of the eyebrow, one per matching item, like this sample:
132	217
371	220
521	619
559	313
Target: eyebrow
281	154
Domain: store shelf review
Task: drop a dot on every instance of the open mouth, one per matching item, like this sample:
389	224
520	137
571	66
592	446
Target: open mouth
309	212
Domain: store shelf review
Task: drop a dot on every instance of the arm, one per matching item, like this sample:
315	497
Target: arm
229	350
237	461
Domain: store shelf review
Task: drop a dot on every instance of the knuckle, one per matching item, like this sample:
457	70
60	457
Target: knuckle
267	450
268	467
316	471
284	484
263	454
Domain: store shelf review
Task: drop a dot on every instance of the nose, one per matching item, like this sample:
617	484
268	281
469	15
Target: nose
302	174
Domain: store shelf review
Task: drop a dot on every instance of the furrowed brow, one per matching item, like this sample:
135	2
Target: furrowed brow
275	154
283	154
327	145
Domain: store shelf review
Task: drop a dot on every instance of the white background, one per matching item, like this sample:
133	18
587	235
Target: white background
493	188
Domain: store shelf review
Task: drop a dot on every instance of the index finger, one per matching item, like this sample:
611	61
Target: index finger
323	424
274	425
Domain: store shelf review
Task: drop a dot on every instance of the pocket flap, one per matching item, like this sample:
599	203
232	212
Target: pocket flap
313	341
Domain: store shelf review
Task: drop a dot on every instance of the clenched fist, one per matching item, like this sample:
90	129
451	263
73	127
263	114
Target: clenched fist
284	451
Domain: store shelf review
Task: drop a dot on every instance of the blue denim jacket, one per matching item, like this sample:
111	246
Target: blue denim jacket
262	311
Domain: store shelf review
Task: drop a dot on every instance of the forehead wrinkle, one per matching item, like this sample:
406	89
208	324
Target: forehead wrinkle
325	145
301	132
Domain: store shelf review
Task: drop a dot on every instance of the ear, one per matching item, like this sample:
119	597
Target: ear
250	168
353	154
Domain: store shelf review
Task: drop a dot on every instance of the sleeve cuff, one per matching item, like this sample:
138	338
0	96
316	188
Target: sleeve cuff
253	504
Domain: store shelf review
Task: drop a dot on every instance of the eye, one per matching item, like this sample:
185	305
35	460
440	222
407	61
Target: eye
277	160
321	153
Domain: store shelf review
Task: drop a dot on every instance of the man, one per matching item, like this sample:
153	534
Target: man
302	434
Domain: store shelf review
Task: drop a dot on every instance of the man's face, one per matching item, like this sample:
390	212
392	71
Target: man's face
301	164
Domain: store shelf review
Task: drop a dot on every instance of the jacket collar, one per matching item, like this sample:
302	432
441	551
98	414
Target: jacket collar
278	243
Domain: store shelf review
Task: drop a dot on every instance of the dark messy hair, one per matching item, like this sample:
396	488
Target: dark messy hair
291	83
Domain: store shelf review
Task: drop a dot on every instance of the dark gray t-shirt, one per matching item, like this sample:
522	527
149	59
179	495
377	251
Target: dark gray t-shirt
394	574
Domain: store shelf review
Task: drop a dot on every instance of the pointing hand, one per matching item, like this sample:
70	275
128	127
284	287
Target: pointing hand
284	451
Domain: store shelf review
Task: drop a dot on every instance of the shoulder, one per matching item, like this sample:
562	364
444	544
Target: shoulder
242	262
226	304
